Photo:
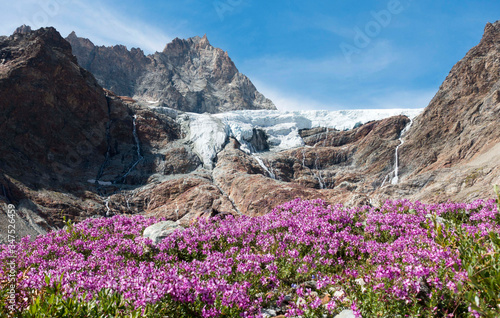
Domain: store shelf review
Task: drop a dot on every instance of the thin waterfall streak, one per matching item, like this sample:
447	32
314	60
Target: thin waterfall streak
138	145
263	165
395	180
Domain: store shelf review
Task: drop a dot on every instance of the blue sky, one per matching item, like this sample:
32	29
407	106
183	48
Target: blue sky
302	54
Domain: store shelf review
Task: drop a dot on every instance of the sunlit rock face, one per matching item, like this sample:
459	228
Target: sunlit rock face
189	75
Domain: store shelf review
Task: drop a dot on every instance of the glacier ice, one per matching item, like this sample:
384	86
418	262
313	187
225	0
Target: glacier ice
209	132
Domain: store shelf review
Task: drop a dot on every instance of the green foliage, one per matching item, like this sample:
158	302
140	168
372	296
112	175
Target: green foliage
481	258
52	303
497	191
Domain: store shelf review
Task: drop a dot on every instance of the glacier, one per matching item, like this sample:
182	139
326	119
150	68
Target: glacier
208	133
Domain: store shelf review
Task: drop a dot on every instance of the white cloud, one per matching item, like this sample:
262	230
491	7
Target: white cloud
105	26
92	19
333	26
374	79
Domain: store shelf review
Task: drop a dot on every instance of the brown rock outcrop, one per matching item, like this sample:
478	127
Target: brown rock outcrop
115	68
53	118
462	119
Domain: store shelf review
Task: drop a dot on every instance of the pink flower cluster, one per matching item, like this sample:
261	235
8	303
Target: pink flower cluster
245	264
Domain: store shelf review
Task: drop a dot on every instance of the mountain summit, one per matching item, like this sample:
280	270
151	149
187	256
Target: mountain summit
189	75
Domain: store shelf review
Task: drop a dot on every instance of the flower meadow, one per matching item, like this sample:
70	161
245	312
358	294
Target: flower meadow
304	258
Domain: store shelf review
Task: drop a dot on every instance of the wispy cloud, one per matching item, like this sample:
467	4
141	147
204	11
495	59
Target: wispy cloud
332	26
333	83
378	76
102	24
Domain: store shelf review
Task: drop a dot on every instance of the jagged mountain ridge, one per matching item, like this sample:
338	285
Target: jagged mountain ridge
188	75
162	173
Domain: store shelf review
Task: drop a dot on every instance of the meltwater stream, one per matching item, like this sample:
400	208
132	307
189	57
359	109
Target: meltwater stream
138	145
100	183
263	165
395	180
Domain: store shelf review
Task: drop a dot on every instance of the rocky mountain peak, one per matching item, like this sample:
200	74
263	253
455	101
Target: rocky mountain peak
176	47
204	39
23	29
188	75
72	36
48	105
34	46
201	43
181	46
491	31
77	41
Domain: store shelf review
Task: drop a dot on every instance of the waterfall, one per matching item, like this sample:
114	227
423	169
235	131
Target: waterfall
385	179
97	181
263	165
99	184
138	145
326	137
136	138
108	210
395	180
318	176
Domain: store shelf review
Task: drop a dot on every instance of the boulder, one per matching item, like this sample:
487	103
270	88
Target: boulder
346	314
157	232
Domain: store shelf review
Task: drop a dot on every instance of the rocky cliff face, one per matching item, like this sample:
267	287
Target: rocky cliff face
452	151
44	116
465	109
70	148
53	118
188	75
